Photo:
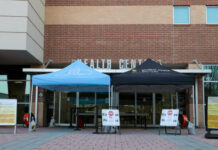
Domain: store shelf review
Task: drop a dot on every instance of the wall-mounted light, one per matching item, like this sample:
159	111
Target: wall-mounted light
159	60
48	62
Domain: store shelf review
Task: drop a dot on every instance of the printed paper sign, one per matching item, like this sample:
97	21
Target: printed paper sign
169	117
8	111
212	113
110	117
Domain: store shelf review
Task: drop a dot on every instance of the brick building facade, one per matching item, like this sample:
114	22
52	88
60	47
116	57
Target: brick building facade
131	30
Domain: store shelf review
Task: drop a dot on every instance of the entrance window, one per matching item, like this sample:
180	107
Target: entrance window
102	101
86	104
211	76
68	101
127	103
127	108
144	108
211	81
3	86
16	89
164	101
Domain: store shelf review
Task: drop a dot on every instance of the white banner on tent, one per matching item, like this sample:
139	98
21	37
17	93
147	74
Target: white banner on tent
169	117
8	113
110	117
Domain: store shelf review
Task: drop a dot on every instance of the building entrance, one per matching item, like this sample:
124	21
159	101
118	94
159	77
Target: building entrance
136	109
140	109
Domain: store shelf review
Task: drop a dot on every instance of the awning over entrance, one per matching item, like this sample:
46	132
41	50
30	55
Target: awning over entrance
76	77
151	77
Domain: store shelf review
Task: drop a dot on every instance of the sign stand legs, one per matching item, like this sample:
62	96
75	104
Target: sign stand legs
175	133
170	119
176	129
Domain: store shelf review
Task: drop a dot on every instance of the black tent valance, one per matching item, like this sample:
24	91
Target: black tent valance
153	77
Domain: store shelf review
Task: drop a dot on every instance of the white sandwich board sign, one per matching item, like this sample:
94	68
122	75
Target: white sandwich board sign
169	117
110	117
8	113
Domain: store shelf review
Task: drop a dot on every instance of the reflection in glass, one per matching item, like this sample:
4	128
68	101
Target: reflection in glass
66	106
127	108
127	103
144	107
211	76
3	86
16	89
21	110
163	101
211	89
27	88
211	81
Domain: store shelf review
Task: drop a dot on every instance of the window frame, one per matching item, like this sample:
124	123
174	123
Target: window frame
189	15
207	13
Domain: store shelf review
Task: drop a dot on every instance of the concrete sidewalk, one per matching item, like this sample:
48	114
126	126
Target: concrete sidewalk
130	139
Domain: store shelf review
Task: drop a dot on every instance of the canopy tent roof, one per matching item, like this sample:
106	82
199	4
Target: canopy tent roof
76	77
151	77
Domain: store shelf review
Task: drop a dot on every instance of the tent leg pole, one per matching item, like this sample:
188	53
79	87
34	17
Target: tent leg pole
54	105
30	107
135	109
36	105
112	97
96	115
95	109
109	97
77	113
59	115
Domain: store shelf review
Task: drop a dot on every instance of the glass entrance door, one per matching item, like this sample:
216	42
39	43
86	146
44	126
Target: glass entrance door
127	109
144	109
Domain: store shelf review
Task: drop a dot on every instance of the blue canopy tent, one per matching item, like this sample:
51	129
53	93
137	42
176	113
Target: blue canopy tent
76	77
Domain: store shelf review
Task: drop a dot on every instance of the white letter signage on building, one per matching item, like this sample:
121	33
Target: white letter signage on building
8	112
110	117
107	63
169	117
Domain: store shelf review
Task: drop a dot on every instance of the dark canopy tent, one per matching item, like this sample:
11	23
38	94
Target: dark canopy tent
151	77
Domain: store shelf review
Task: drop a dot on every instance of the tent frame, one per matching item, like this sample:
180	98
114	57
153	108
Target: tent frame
110	88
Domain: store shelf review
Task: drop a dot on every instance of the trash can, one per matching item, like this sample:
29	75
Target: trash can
191	128
80	122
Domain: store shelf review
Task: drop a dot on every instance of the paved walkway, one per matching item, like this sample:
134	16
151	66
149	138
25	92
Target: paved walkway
130	139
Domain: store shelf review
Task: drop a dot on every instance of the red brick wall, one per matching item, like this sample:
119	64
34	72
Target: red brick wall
128	2
196	42
66	42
